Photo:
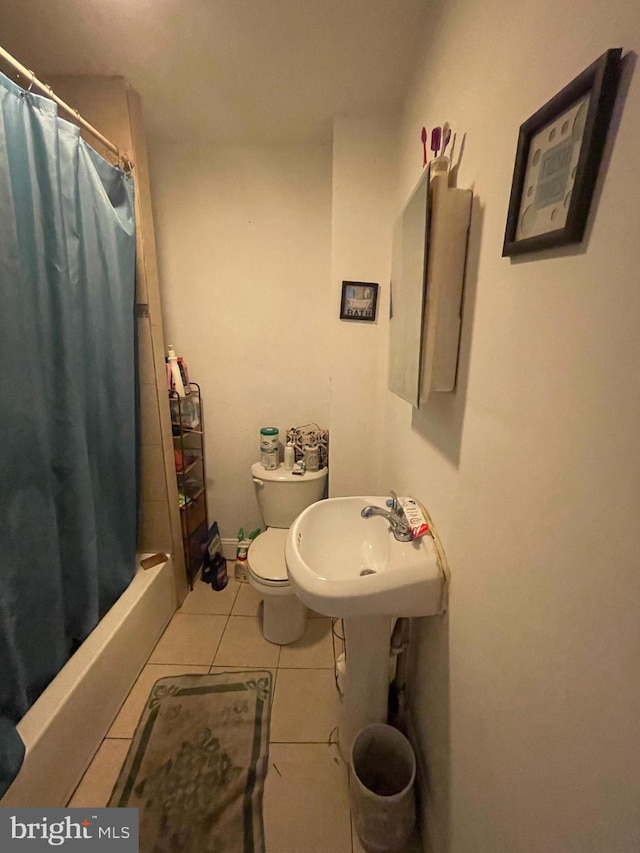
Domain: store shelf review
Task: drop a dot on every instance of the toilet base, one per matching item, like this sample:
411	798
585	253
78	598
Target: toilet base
283	619
284	616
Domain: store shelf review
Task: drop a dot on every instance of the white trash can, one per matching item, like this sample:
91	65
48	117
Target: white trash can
383	770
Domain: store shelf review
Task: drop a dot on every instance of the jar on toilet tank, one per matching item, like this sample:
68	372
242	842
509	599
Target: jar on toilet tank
311	458
269	448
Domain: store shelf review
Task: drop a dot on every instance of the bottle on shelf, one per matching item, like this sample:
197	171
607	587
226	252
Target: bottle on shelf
176	374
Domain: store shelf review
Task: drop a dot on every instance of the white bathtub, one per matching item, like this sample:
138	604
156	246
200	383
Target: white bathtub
63	729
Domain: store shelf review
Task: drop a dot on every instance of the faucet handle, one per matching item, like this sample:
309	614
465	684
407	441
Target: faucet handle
393	502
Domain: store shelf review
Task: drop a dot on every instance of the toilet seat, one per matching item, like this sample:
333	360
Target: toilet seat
266	557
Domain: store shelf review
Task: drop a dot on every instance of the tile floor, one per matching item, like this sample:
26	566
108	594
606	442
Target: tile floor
306	801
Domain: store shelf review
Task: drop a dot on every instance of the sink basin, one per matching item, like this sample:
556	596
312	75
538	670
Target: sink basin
343	565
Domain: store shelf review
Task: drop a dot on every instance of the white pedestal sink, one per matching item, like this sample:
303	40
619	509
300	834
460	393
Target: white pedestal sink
344	565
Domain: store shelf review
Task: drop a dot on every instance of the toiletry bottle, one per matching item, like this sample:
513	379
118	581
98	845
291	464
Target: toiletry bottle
289	456
240	566
184	375
178	385
220	578
214	570
240	569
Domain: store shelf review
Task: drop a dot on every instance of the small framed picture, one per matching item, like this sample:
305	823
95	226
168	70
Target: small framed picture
557	161
359	300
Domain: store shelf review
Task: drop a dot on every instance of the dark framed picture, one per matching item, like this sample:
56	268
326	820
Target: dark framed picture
557	161
359	300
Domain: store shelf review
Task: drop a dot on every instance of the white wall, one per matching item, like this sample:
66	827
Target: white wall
526	697
362	206
244	239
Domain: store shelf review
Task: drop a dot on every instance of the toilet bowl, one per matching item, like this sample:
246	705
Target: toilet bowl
281	497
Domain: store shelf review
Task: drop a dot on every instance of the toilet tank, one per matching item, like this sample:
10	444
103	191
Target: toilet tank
283	495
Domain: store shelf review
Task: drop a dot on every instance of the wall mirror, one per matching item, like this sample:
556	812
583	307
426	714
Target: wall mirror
429	249
408	282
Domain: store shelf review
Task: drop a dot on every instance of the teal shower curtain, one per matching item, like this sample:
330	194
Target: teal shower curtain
67	398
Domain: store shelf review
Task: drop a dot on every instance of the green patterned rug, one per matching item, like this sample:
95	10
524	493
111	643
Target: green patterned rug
197	764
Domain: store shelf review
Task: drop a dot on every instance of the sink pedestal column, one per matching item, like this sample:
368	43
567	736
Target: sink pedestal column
366	689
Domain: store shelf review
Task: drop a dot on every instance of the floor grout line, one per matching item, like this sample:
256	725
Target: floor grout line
222	634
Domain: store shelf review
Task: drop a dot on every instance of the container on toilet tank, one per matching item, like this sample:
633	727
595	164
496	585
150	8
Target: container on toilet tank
269	459
269	450
268	439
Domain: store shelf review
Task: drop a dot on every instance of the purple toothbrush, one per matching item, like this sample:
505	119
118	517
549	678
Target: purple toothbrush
436	137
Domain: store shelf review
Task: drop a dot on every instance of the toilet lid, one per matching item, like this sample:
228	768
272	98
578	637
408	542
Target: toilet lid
266	555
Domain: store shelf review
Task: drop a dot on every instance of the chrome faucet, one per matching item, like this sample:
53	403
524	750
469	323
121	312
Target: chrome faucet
395	516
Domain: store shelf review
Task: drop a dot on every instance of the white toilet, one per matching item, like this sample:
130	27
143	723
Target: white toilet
281	496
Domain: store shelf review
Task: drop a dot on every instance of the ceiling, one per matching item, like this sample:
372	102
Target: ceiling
229	70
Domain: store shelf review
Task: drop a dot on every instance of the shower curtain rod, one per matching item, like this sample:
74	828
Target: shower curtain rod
33	81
